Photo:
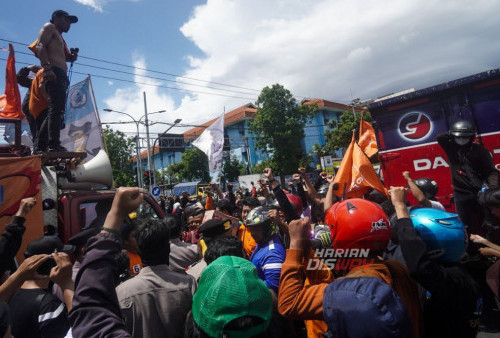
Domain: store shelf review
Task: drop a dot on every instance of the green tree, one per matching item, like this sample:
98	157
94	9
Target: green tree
231	169
280	122
259	167
340	133
120	150
194	166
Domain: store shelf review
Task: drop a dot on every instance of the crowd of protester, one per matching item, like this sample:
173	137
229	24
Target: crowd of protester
267	261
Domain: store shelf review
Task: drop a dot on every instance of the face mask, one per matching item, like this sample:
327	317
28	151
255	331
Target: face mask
461	141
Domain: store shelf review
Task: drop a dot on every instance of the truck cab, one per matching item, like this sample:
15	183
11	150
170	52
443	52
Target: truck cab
71	194
78	210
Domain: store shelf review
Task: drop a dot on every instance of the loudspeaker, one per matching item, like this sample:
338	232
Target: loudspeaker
97	170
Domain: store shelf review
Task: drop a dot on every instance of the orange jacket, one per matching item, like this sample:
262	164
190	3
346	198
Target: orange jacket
299	301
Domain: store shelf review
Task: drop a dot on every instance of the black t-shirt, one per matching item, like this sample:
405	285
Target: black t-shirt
470	165
37	313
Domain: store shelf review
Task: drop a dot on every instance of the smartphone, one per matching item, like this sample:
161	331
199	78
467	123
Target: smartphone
46	266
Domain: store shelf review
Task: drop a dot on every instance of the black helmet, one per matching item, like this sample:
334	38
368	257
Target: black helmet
489	197
463	128
257	216
428	186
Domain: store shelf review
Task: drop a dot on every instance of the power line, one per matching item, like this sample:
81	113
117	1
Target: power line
164	73
150	84
145	69
150	77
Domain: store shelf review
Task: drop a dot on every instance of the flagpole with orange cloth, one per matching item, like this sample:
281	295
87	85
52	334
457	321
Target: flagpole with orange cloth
367	140
356	175
10	101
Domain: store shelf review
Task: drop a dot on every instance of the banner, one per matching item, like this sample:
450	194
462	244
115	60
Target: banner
82	132
10	101
211	142
20	178
356	175
367	140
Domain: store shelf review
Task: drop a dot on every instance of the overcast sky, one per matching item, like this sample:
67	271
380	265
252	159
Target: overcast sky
335	50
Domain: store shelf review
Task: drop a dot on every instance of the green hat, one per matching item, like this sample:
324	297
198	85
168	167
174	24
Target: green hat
230	288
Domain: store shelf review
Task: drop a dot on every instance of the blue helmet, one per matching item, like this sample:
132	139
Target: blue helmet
443	233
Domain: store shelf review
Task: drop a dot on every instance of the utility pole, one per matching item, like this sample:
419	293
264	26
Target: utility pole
147	137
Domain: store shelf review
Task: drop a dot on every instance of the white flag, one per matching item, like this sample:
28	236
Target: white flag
211	142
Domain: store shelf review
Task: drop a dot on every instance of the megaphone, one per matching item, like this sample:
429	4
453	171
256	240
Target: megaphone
98	170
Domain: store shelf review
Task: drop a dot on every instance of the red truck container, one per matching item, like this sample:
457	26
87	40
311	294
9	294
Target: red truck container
407	125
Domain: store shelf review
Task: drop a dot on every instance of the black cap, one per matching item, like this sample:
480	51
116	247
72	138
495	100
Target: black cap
214	227
81	238
60	12
47	245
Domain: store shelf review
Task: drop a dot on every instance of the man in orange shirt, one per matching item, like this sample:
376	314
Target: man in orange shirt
325	301
128	231
244	235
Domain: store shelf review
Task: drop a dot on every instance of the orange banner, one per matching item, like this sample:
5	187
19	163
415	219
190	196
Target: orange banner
367	141
10	102
20	178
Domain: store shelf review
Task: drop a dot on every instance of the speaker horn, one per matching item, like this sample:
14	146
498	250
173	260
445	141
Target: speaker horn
97	170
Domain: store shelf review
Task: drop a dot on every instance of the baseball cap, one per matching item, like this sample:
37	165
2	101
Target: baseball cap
214	227
230	288
47	245
60	12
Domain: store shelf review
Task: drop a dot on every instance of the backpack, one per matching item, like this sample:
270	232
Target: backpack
365	307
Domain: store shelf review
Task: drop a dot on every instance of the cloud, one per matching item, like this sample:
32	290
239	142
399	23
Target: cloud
325	49
98	5
130	100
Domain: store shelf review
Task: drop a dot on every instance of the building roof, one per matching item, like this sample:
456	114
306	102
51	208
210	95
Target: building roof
330	104
245	111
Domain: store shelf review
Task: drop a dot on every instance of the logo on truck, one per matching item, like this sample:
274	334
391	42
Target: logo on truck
415	126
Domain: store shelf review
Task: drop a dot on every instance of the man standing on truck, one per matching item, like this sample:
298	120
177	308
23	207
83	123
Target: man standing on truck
471	167
53	53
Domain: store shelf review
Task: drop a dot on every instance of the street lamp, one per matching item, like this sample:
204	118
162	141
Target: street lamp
137	147
154	144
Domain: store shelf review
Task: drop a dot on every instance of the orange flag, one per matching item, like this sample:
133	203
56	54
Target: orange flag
356	174
10	102
367	140
344	173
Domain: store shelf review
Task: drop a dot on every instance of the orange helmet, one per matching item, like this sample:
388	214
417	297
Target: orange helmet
358	223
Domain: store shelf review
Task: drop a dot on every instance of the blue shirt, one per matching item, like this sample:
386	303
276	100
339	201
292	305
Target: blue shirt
268	258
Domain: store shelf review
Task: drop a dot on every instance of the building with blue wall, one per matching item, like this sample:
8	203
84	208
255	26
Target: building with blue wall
240	142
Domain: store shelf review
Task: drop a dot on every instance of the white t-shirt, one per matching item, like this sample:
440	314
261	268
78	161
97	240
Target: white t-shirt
437	205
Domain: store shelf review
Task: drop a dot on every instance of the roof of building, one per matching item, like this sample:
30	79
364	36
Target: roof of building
245	111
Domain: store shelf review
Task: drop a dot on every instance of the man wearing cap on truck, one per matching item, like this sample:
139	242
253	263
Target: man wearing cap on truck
53	53
471	167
